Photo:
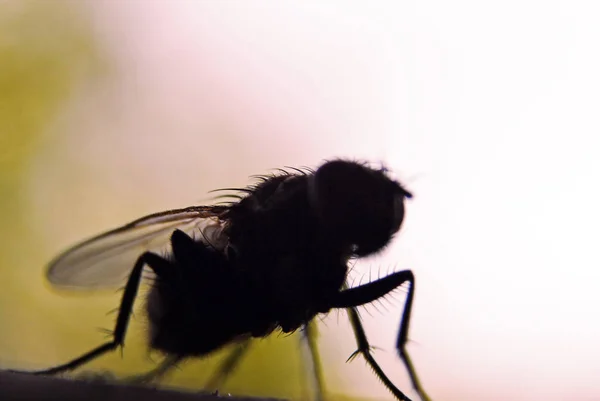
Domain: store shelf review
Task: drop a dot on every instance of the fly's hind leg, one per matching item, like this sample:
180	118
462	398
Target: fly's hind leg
156	263
228	365
162	369
353	297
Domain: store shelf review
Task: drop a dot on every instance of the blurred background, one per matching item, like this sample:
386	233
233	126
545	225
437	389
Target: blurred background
488	112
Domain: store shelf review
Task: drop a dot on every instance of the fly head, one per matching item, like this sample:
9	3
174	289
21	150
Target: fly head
358	206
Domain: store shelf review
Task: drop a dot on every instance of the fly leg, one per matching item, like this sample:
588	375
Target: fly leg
228	366
166	365
309	337
156	263
353	297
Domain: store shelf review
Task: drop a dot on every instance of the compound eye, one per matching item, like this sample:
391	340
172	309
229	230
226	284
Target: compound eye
398	212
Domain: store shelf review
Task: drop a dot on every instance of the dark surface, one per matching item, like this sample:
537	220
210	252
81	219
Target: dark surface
24	387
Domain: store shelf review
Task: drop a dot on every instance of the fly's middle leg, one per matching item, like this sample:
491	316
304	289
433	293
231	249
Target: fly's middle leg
309	337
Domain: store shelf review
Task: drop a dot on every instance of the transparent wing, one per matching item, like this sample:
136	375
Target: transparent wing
106	260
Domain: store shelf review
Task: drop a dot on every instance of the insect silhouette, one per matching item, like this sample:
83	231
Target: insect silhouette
270	260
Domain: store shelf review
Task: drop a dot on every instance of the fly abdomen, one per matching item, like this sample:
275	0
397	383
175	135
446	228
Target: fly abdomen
193	308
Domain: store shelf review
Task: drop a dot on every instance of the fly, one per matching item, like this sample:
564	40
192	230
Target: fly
270	260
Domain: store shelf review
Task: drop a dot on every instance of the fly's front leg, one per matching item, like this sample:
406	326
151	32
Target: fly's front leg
353	297
157	264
